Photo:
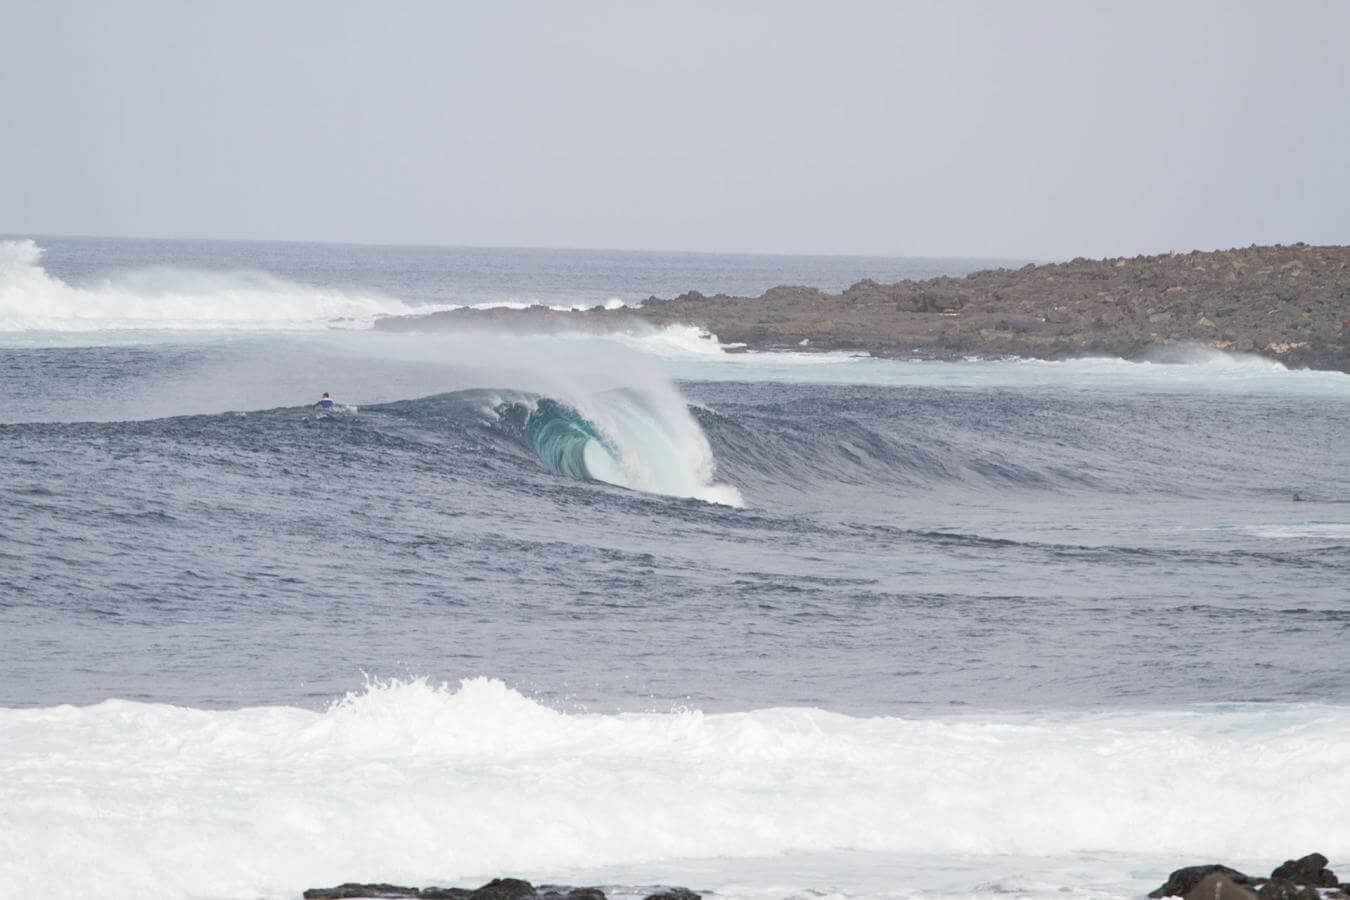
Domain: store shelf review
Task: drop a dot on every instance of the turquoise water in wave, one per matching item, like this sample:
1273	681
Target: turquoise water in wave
637	609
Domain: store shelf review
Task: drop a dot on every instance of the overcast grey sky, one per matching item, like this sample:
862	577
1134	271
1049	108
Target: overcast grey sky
1003	129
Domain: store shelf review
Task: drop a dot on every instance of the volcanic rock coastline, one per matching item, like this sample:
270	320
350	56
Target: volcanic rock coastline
1305	878
1288	303
496	889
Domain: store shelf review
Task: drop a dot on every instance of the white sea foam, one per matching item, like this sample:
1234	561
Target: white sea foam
611	303
669	342
1205	372
420	784
1333	531
693	353
32	300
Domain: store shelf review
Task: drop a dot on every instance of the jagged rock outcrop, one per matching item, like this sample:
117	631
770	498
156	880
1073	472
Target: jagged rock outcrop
1311	869
1298	879
1184	880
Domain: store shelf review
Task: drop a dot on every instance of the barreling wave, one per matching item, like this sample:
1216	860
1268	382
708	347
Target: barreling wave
635	439
31	299
450	783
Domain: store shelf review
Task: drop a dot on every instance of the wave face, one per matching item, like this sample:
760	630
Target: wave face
421	784
174	299
783	440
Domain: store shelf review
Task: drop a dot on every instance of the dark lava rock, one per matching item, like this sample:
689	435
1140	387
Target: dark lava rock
1180	882
504	889
678	893
1311	869
353	889
1283	889
581	893
1217	886
496	889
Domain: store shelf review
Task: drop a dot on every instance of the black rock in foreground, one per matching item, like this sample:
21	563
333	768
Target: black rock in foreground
1306	878
496	889
1296	879
1180	882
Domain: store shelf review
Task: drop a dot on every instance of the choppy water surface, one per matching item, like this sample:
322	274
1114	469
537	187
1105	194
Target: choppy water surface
770	624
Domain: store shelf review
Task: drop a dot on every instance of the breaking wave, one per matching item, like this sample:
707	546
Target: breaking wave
417	783
31	299
643	440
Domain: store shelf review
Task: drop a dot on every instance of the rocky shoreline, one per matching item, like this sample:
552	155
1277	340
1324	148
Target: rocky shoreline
1305	878
496	889
1289	303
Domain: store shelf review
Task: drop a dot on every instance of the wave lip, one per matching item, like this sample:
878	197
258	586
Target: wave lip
446	784
165	299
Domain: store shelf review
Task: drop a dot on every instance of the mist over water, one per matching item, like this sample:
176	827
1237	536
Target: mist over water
635	607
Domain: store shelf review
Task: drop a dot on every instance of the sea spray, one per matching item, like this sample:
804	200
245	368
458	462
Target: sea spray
159	299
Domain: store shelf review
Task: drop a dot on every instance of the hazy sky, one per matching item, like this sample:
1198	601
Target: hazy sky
995	129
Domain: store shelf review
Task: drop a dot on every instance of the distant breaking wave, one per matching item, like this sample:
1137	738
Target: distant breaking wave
173	299
170	299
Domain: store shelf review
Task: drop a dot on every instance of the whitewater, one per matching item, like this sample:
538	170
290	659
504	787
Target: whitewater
414	783
639	608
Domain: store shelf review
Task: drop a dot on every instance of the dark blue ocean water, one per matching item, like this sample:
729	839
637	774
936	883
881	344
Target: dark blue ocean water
177	525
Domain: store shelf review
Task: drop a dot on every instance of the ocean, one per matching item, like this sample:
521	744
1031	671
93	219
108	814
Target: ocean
639	609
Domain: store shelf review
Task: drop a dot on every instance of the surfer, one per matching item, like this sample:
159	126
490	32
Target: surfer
325	402
1297	498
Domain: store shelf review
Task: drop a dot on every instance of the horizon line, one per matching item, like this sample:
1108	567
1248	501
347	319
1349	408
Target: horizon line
34	235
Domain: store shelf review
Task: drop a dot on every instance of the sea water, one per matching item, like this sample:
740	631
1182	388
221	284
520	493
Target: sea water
634	610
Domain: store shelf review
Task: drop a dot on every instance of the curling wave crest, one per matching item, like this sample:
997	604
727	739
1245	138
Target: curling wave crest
418	783
644	440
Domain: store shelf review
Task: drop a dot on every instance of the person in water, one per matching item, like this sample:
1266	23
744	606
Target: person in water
325	402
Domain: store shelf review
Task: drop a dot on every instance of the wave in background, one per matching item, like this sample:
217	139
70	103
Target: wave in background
421	784
164	298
